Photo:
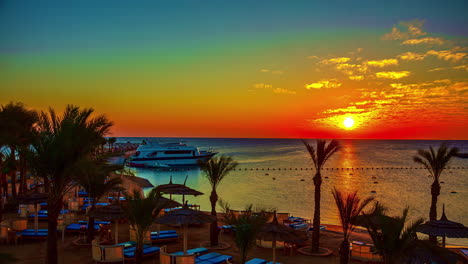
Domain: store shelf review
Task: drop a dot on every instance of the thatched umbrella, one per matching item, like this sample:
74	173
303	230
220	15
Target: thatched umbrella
185	217
110	212
178	189
275	231
444	228
33	198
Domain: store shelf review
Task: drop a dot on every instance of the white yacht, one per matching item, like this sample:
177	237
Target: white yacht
156	154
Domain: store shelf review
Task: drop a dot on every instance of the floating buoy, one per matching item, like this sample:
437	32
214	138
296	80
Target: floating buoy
326	177
453	192
267	174
442	182
274	178
376	182
302	179
350	174
373	177
373	191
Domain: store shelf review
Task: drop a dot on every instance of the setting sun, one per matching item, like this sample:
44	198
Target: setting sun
348	122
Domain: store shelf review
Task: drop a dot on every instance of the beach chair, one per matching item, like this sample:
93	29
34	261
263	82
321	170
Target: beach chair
194	251
256	261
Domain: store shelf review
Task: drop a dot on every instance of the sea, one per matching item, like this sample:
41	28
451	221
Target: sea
277	174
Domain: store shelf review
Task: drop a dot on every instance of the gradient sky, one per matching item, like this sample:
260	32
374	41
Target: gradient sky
244	68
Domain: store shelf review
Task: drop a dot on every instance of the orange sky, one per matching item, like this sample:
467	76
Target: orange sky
287	75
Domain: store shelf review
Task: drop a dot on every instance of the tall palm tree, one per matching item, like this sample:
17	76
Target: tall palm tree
435	162
93	177
319	154
141	214
248	227
16	130
349	207
215	170
62	143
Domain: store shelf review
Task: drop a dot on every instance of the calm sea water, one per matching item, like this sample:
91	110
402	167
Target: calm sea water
289	187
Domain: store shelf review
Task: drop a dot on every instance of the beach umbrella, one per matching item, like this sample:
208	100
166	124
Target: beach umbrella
444	228
275	231
185	217
110	212
177	189
34	198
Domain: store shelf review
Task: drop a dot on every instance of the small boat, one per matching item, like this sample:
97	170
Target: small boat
163	155
461	155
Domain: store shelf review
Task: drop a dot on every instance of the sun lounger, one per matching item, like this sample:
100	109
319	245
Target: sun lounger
256	261
212	258
195	251
129	252
34	235
78	227
86	205
127	244
163	232
155	238
95	222
82	193
34	230
299	225
312	228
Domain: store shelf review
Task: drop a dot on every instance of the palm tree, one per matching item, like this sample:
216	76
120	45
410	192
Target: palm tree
319	154
215	170
111	141
435	163
16	130
397	242
93	177
349	207
62	143
141	214
247	226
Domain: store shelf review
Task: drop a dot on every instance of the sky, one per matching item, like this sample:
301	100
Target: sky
275	69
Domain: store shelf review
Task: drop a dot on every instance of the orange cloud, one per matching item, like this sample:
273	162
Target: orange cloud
323	84
392	74
283	91
405	30
447	55
428	40
382	63
356	77
336	60
262	86
411	56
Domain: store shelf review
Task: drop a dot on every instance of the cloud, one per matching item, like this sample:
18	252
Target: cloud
349	109
283	91
277	72
351	69
411	56
356	77
336	60
461	67
437	69
382	63
392	74
262	86
405	30
333	83
264	70
428	40
312	57
447	55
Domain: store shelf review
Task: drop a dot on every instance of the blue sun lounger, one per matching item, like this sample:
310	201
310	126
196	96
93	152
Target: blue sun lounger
163	237
299	225
95	222
31	233
86	205
195	251
256	261
129	252
163	232
212	258
77	227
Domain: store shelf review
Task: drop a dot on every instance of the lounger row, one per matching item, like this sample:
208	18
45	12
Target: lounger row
212	258
164	236
259	261
78	227
194	251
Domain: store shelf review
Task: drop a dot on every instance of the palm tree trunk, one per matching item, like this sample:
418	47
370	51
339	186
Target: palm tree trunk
54	207
139	248
13	172
91	223
316	221
22	168
344	252
214	226
435	191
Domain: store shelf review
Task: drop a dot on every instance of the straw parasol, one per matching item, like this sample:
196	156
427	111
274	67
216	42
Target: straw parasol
110	212
178	189
276	232
33	198
444	228
185	217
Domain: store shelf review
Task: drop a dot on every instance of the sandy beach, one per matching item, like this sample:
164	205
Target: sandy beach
70	253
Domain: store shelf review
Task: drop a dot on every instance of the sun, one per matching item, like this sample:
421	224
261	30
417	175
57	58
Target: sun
348	122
